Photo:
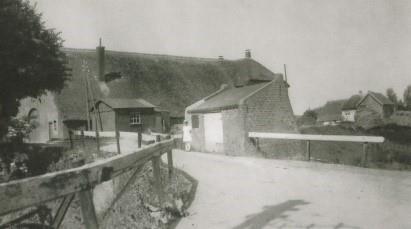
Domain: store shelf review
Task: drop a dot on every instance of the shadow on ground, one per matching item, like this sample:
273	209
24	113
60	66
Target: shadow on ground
270	213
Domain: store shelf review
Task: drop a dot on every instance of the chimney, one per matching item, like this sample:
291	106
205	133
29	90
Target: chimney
100	50
248	53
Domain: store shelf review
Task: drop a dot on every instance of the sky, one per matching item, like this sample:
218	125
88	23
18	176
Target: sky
332	48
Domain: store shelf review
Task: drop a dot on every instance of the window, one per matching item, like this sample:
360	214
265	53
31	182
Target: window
194	121
135	118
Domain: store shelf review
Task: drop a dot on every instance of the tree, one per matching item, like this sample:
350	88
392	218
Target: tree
31	60
392	96
407	97
308	118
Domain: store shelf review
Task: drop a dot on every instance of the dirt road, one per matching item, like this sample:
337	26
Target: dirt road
239	193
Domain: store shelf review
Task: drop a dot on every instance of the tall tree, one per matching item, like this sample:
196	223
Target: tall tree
392	96
407	97
31	60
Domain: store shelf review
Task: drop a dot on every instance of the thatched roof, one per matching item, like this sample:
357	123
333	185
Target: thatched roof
125	103
380	98
170	82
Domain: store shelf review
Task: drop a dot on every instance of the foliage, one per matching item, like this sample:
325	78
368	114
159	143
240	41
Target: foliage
392	96
407	97
20	128
31	60
308	118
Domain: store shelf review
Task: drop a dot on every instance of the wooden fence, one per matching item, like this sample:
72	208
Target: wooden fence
34	191
310	137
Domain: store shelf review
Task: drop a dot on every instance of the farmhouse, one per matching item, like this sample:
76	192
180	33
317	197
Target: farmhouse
378	103
167	82
132	115
221	121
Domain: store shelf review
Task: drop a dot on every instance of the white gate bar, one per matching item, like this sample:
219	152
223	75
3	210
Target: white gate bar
317	137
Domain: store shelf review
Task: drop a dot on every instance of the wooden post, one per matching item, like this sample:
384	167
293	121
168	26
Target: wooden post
140	138
117	132
71	139
308	152
87	209
364	153
82	138
170	163
157	179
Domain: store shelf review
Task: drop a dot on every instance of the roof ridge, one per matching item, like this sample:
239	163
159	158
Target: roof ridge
177	57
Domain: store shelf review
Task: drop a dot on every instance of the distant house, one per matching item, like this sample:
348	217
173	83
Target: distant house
221	121
330	113
349	108
169	82
378	103
132	115
401	118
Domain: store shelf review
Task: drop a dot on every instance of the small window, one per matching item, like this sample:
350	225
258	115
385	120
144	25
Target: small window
135	118
194	121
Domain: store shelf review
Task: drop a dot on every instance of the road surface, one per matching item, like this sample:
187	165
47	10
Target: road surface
250	193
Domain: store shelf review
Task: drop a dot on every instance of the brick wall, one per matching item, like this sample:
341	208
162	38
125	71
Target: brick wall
234	132
269	110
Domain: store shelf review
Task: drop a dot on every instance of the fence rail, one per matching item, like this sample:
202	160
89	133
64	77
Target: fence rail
24	193
311	137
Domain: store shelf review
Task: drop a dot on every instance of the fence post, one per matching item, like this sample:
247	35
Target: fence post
139	138
87	209
71	139
364	153
308	150
170	163
82	138
157	179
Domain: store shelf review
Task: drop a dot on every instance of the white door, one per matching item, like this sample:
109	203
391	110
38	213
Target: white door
213	130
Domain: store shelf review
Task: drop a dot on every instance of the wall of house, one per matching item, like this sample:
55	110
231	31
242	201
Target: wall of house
49	123
197	134
234	132
269	110
370	103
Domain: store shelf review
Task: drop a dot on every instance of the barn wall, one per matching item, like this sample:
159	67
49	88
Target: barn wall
269	110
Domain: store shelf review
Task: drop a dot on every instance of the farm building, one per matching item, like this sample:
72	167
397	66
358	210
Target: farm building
169	82
377	103
221	121
349	108
131	115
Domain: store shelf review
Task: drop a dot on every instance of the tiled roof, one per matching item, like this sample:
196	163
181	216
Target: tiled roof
127	103
352	103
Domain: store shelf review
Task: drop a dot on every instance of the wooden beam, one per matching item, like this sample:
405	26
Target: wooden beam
339	138
62	210
87	209
19	194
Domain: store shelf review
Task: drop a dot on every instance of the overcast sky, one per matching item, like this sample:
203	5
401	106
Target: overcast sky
332	48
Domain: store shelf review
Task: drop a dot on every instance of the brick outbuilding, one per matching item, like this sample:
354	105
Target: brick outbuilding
221	122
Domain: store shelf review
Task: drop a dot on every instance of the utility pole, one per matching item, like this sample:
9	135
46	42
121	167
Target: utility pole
87	97
94	109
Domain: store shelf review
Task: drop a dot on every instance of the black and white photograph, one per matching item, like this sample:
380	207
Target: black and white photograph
205	114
